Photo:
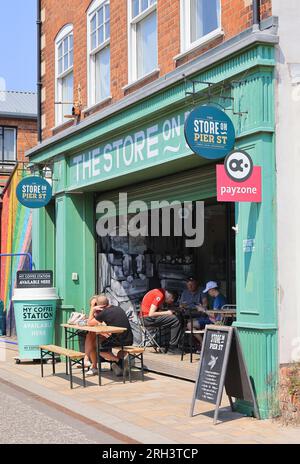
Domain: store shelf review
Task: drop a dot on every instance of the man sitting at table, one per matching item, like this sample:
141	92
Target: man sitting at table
193	296
112	316
153	315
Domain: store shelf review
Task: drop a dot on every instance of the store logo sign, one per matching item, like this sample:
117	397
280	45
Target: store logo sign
209	132
34	192
230	190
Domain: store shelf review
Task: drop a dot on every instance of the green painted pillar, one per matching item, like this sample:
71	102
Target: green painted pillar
75	254
256	279
43	237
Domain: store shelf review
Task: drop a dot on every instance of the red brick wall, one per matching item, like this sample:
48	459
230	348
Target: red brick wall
236	17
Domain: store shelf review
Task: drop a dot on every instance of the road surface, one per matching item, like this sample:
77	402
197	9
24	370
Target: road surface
27	419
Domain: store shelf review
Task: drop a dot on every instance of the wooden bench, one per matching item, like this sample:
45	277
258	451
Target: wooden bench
72	358
133	353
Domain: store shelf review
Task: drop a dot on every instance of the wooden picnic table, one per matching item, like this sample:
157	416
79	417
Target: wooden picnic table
72	330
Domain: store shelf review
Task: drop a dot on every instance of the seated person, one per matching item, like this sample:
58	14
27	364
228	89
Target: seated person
219	300
153	315
193	296
111	316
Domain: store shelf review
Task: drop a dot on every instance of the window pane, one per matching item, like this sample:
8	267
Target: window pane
60	51
107	30
71	58
135	8
9	145
66	45
66	62
144	5
204	17
147	45
102	74
107	11
93	23
67	93
94	40
100	17
100	35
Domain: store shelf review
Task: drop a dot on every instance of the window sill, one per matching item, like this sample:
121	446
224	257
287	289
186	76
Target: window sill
93	108
141	79
200	44
61	126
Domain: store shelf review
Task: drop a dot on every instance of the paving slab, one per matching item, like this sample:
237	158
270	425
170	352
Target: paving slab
152	412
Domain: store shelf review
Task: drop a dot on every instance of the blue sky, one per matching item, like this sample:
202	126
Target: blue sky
18	44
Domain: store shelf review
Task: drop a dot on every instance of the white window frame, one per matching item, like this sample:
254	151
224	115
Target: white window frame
2	159
66	31
185	28
132	42
92	53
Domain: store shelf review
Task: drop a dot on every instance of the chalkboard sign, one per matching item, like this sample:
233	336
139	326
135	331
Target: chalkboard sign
212	366
222	365
34	279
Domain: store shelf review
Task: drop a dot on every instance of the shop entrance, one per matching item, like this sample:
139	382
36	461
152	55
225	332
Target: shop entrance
130	266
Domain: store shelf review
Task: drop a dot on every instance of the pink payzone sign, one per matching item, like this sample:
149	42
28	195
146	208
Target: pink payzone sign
248	191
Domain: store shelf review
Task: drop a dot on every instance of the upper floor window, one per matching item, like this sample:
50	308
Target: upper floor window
99	51
142	38
64	74
8	142
200	21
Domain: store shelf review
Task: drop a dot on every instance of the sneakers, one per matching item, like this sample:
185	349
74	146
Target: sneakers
91	372
87	365
117	370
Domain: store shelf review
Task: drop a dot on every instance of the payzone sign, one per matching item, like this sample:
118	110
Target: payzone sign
34	192
209	132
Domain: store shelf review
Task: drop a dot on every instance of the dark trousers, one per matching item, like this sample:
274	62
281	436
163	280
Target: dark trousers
166	322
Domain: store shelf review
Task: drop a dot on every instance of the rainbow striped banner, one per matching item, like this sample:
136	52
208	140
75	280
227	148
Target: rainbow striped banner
16	226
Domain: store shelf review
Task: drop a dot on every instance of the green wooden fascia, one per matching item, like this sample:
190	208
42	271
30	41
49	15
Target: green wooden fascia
237	64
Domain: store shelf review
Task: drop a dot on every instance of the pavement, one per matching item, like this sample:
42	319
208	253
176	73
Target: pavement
152	412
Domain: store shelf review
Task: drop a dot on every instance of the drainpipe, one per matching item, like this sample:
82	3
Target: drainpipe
256	14
39	76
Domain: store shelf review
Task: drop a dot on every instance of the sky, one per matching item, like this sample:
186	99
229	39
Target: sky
18	44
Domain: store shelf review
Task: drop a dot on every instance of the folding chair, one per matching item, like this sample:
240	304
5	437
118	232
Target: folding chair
228	320
148	333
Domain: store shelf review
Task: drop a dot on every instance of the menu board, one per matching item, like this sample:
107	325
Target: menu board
222	364
211	366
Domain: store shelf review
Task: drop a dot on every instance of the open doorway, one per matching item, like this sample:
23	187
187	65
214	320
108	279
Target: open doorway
130	266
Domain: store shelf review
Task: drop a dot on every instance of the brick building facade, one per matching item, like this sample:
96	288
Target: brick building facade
236	16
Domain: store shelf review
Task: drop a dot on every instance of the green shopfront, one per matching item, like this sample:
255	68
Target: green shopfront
140	149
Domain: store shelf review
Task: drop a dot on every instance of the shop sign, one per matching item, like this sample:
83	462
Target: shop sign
238	180
150	145
34	279
209	132
34	192
222	364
